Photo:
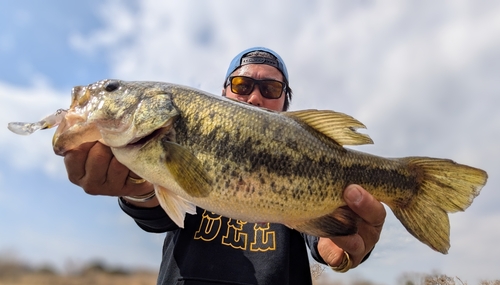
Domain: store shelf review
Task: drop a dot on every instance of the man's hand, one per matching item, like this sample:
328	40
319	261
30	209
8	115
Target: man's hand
372	216
93	167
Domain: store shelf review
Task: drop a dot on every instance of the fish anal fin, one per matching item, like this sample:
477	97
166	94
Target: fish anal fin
187	170
175	206
341	222
337	126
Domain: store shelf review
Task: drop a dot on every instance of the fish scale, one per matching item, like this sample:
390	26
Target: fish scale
243	152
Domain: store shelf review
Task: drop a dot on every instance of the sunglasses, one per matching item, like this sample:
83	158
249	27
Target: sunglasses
269	88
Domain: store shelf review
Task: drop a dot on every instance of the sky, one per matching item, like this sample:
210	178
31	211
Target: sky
421	75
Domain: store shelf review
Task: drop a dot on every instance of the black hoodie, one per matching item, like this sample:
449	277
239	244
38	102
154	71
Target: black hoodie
212	249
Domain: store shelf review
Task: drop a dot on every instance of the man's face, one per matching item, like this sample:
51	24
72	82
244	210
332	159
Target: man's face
258	71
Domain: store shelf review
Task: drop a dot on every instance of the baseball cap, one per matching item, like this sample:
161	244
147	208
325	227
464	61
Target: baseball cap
241	59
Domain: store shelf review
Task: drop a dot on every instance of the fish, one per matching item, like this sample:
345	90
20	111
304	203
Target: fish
259	165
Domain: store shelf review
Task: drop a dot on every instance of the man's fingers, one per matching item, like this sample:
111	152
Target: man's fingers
354	245
372	216
330	252
75	159
365	205
117	173
97	164
93	167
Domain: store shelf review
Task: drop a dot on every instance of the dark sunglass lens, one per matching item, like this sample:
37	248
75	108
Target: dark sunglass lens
242	85
271	89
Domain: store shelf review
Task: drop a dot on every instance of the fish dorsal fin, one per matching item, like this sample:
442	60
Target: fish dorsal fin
338	126
175	206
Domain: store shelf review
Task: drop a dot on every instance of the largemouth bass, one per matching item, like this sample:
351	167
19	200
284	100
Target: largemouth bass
258	165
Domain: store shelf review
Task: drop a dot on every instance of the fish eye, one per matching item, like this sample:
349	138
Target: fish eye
112	86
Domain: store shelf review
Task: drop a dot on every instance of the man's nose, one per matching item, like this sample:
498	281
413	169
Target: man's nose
255	98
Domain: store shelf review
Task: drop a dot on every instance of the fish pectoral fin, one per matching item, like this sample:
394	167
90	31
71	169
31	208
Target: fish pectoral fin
338	126
187	170
175	206
341	222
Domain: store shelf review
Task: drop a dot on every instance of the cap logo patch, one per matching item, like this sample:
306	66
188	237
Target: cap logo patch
259	60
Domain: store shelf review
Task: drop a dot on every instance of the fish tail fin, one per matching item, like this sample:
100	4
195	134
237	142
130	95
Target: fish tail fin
444	187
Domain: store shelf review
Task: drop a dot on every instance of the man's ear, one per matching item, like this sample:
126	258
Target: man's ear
224	92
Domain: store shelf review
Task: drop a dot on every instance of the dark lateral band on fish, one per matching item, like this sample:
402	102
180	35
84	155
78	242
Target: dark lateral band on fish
281	165
259	165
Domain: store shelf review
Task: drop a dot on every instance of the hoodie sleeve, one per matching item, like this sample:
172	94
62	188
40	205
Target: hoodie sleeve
312	243
153	220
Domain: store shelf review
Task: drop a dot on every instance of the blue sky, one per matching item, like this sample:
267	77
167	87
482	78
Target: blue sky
35	42
422	75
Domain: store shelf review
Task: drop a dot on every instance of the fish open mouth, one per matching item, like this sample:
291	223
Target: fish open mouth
139	142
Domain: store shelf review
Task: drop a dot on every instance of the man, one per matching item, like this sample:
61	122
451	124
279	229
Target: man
212	249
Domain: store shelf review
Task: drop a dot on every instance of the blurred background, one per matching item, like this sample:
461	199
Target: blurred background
423	76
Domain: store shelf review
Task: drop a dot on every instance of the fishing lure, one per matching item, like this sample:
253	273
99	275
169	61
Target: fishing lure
48	122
